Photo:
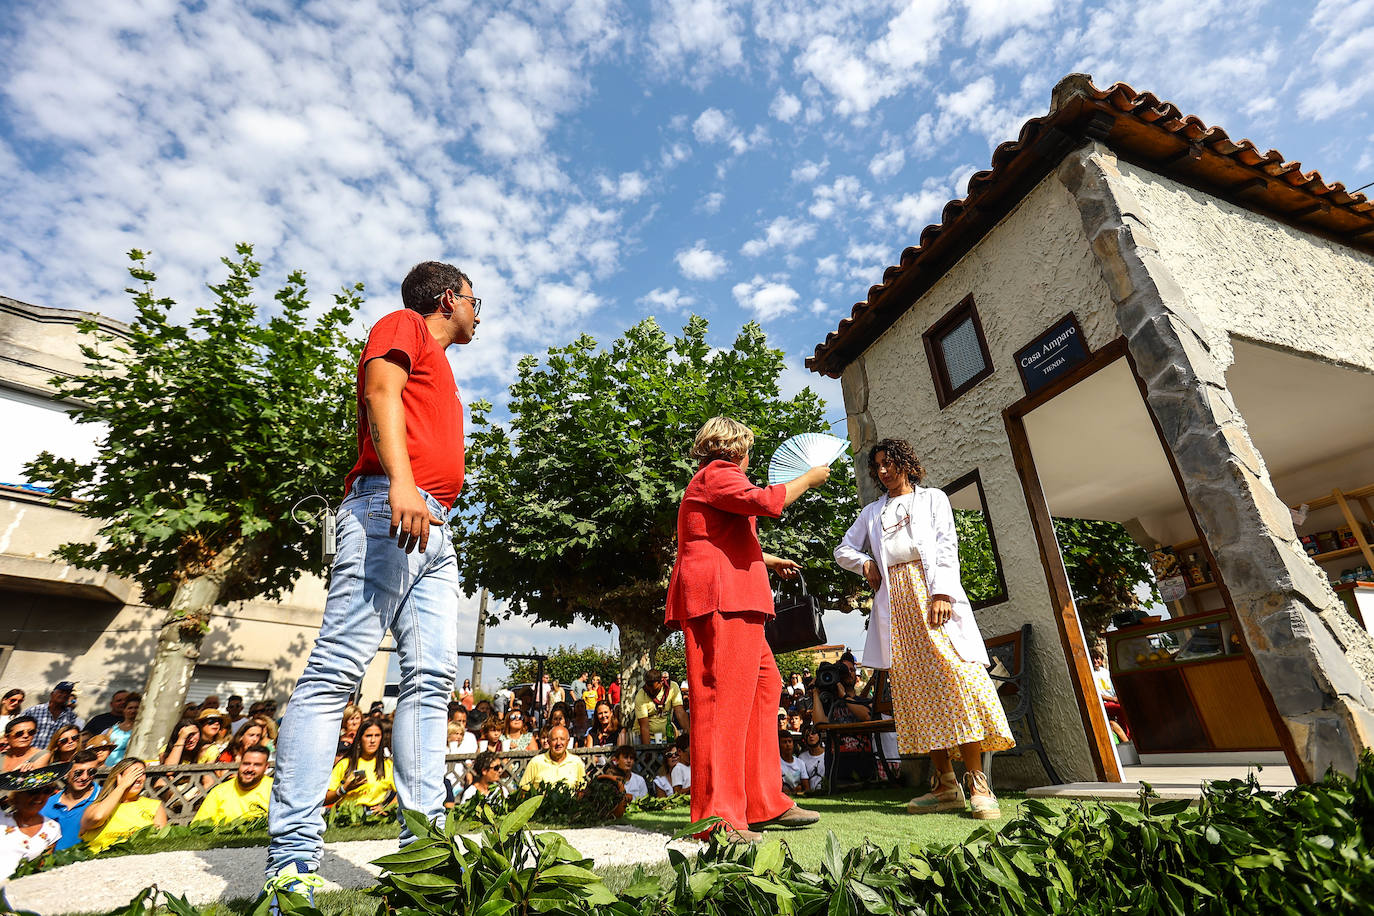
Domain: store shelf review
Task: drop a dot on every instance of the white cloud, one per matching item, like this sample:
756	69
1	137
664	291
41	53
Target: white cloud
828	266
843	194
969	101
697	37
766	299
325	138
913	212
782	232
561	304
990	18
711	202
886	164
700	262
809	171
630	186
716	126
860	69
785	106
674	154
669	300
712	125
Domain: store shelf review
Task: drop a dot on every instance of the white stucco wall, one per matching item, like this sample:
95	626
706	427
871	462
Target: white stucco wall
1248	275
1033	268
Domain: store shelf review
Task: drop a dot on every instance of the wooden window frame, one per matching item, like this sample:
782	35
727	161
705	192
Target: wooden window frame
954	486
945	393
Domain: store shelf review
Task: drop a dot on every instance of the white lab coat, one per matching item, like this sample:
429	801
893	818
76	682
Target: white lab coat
933	525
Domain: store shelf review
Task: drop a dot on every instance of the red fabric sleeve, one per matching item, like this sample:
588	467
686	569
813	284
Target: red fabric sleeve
396	332
725	487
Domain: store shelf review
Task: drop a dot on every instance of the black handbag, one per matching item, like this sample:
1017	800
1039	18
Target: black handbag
797	623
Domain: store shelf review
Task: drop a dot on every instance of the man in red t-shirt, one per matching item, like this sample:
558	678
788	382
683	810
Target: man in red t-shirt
395	571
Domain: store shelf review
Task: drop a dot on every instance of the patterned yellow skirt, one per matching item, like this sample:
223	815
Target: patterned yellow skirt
939	700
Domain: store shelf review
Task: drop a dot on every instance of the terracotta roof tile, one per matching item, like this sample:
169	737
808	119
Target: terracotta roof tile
1142	129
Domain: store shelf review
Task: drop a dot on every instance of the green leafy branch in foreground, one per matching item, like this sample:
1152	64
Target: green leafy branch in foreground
1242	850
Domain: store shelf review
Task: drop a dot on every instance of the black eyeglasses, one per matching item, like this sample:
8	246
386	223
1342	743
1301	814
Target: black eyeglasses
476	302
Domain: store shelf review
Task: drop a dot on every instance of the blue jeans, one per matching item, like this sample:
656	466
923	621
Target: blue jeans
375	587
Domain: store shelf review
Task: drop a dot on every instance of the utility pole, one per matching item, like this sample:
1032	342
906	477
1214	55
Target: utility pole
480	645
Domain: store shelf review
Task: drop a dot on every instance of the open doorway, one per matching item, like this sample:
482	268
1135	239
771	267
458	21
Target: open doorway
1178	684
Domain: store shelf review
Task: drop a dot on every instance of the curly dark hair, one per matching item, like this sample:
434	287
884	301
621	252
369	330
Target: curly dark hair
901	453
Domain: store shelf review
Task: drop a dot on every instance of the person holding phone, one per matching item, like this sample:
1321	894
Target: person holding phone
363	777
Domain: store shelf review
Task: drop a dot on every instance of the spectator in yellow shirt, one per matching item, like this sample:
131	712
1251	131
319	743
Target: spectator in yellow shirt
363	777
243	797
118	811
658	699
555	764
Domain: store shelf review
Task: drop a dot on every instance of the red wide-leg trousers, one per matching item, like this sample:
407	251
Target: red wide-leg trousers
733	686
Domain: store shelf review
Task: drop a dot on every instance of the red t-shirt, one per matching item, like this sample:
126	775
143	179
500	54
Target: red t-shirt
434	412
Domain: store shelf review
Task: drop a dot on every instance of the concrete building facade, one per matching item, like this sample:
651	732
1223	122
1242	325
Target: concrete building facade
58	622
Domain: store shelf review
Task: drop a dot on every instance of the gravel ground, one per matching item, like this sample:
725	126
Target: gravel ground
206	875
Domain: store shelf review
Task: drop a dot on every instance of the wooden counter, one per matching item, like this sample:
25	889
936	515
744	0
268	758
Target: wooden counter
1202	704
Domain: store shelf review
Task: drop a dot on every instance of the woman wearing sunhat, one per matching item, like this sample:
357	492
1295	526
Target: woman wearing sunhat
215	734
24	832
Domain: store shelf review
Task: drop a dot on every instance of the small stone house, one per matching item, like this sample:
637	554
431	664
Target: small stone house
1133	317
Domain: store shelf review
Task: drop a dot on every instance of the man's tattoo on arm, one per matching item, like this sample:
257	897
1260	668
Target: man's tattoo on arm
376	432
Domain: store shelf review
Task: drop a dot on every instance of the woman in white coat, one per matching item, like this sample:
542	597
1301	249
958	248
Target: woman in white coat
922	630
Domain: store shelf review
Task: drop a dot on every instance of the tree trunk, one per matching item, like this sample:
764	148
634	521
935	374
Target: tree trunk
178	648
639	639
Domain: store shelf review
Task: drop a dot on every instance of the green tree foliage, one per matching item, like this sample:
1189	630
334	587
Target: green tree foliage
977	560
571	512
214	429
1105	566
1104	563
566	664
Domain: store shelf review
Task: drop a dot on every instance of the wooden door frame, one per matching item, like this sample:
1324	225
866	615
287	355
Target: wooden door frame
1094	717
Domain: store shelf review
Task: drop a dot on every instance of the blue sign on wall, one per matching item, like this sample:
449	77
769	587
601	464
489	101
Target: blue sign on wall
1052	354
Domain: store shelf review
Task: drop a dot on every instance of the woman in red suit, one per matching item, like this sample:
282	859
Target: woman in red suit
720	597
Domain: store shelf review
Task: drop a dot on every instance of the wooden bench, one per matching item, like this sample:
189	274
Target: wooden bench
1010	671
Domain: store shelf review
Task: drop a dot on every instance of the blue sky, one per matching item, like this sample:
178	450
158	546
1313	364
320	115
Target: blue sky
591	162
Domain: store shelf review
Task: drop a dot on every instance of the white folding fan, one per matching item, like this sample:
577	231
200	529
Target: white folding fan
801	453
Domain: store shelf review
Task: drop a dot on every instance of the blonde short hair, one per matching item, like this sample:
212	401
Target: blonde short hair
723	438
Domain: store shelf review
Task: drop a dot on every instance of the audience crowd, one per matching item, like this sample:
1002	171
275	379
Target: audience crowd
65	781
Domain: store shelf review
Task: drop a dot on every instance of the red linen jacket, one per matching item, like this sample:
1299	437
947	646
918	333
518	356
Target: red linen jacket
719	561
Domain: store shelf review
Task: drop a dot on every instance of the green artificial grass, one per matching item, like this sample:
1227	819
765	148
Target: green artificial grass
876	815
